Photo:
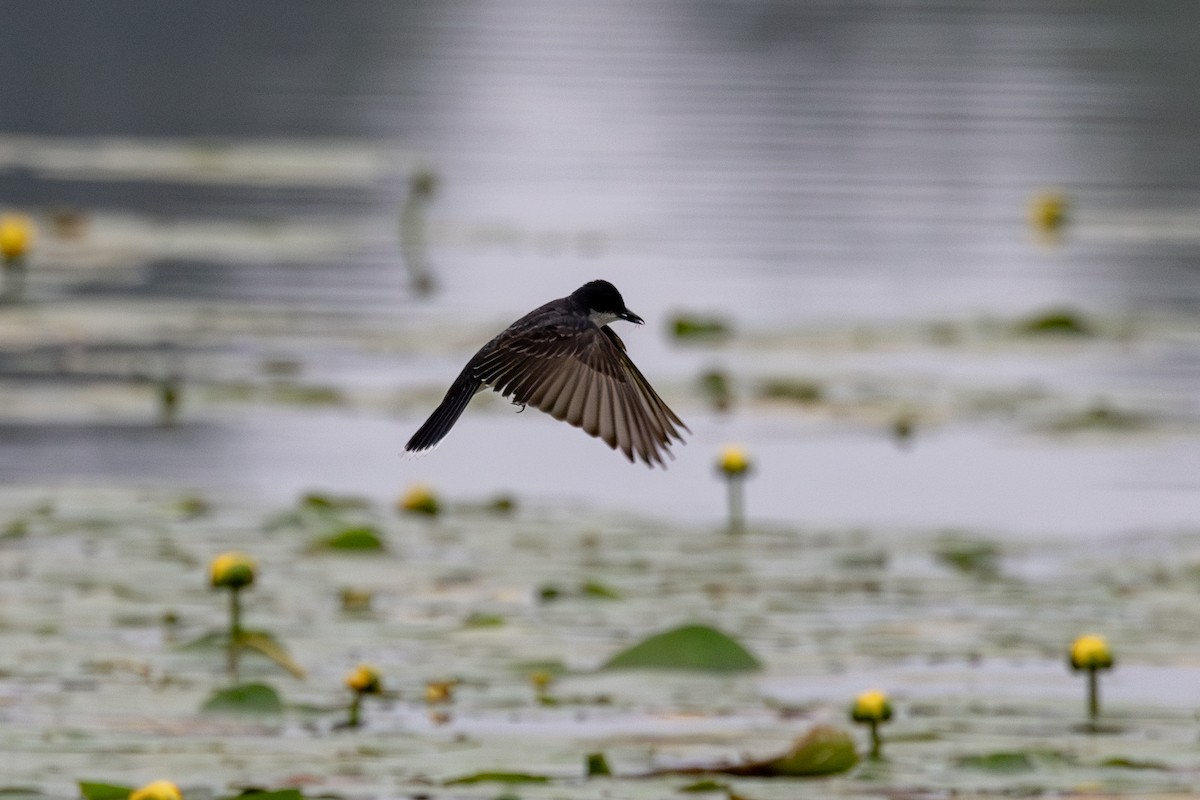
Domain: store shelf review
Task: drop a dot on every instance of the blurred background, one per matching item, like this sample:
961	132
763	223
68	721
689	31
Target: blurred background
267	236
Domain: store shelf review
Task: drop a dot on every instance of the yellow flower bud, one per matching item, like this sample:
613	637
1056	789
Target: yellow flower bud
419	499
871	706
541	680
440	691
1091	652
734	460
1048	212
159	790
16	235
364	679
232	570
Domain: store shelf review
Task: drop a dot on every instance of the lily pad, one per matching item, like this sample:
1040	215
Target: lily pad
705	786
822	751
796	390
497	777
596	766
969	555
264	794
103	791
332	502
358	537
692	647
1058	321
599	591
1123	762
716	387
1100	417
248	698
694	326
1005	762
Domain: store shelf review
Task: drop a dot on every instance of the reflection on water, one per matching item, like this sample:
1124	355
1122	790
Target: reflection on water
787	164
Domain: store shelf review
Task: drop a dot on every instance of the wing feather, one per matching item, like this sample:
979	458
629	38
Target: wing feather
591	413
579	373
608	425
550	392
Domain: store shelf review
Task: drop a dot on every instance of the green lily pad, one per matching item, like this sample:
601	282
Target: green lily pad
1058	321
822	751
705	786
795	390
497	777
193	506
599	591
305	394
104	791
1123	762
1005	762
249	698
330	502
716	388
501	504
264	794
969	555
596	766
695	326
693	647
1100	417
358	537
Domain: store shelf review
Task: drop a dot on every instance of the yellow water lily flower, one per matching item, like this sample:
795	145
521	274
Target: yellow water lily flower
17	233
159	790
871	706
364	679
232	570
1048	211
1091	652
734	460
419	499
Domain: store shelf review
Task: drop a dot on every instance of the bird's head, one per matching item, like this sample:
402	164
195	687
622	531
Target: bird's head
604	303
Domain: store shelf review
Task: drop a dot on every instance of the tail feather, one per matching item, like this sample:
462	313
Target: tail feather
444	416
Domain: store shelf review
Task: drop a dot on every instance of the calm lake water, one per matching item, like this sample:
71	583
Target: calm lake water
222	191
832	178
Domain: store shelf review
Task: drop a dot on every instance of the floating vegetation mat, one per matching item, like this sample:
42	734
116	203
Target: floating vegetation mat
489	630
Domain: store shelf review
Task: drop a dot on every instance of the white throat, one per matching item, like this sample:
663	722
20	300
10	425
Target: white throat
602	318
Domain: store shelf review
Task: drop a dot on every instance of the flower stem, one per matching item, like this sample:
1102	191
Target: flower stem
14	280
876	743
355	705
737	509
235	630
1093	693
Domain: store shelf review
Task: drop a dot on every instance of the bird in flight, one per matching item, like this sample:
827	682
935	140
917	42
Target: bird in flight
562	358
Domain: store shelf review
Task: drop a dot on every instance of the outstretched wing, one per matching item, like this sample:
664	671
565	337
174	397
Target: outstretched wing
579	373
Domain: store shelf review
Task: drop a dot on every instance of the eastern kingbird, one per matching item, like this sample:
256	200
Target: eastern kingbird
563	359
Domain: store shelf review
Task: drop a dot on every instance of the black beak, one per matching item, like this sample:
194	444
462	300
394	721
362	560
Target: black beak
632	317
